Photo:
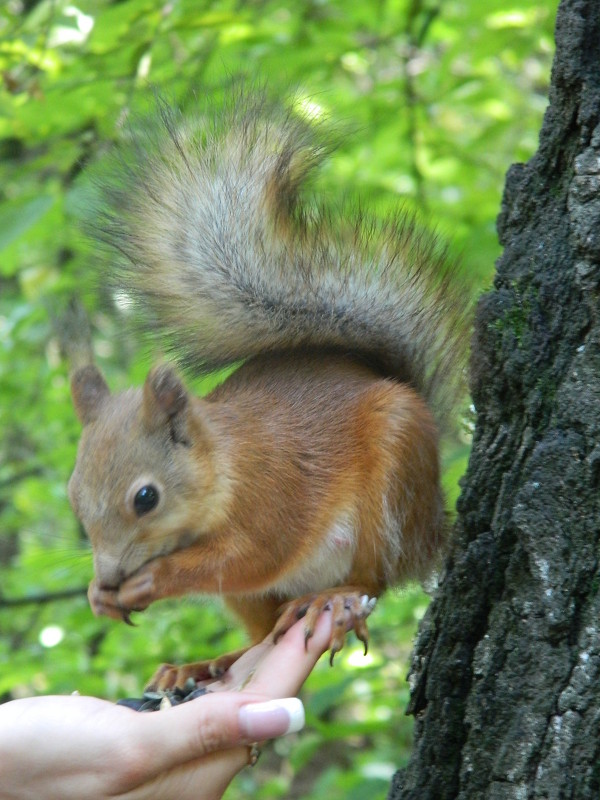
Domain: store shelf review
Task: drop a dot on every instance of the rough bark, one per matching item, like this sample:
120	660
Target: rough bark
505	681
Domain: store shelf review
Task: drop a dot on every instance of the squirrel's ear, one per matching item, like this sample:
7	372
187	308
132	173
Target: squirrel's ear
166	401
89	391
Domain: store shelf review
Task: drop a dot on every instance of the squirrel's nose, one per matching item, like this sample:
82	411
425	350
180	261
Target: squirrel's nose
109	571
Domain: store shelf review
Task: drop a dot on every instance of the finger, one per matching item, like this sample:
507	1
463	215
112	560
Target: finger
185	733
287	665
239	673
283	657
190	730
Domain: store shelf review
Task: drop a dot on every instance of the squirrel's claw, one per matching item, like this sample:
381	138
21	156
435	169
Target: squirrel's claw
125	616
349	607
290	614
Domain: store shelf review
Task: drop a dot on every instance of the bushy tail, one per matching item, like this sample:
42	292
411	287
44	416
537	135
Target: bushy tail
225	260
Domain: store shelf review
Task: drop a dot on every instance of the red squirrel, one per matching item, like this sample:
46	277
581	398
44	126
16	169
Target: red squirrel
310	477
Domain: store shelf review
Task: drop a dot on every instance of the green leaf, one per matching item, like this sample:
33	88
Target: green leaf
18	216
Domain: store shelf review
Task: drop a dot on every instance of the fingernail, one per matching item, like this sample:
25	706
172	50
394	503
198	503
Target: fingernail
273	718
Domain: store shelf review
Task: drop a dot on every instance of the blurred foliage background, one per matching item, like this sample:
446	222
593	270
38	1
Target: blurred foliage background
439	97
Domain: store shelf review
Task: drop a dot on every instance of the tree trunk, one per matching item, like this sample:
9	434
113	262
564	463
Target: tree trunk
505	681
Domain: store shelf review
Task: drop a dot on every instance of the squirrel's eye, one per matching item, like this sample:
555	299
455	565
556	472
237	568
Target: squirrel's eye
145	499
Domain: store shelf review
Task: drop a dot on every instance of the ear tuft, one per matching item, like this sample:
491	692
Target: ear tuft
89	391
165	397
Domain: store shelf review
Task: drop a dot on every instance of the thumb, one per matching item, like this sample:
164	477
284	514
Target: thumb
214	722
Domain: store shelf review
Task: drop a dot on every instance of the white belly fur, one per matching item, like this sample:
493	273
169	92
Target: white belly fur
329	566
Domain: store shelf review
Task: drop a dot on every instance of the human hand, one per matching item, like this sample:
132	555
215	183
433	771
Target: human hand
67	748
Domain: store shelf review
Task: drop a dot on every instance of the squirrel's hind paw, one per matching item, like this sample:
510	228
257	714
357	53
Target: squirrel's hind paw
170	676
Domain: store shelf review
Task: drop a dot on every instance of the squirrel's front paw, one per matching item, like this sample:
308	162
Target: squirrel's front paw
105	602
134	594
139	590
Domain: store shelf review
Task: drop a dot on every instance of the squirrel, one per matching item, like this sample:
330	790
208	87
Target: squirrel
310	477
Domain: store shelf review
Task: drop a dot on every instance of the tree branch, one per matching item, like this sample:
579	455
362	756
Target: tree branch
40	599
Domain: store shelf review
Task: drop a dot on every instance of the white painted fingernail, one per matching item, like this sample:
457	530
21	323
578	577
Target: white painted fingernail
273	718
